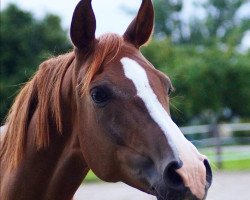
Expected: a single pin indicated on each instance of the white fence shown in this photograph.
(189, 130)
(217, 135)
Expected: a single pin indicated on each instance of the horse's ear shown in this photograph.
(83, 25)
(140, 29)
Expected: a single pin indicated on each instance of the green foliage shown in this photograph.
(167, 18)
(221, 24)
(25, 43)
(207, 71)
(204, 78)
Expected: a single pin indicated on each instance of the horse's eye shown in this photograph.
(100, 95)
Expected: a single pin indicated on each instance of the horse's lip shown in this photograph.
(152, 192)
(187, 196)
(155, 193)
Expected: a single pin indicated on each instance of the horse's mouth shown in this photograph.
(164, 191)
(174, 195)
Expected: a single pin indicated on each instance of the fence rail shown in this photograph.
(217, 135)
(189, 130)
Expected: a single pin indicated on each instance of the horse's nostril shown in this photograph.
(153, 190)
(209, 174)
(172, 178)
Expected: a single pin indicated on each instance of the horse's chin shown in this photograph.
(175, 195)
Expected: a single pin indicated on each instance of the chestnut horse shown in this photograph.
(102, 107)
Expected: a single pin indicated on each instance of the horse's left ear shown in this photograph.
(83, 25)
(140, 29)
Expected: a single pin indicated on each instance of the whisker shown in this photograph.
(158, 192)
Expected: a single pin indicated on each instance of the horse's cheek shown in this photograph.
(98, 152)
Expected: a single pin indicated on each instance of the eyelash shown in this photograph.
(169, 91)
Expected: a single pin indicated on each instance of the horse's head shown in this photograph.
(124, 125)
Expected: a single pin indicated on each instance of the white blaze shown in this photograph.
(186, 151)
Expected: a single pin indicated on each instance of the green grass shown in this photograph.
(234, 165)
(232, 161)
(91, 177)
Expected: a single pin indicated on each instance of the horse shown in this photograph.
(101, 107)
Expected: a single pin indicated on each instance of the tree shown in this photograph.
(206, 79)
(25, 43)
(221, 24)
(167, 19)
(204, 65)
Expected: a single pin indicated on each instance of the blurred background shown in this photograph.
(203, 46)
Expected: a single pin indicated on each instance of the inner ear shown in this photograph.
(83, 25)
(140, 29)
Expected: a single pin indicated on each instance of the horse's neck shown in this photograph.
(71, 167)
(68, 174)
(54, 172)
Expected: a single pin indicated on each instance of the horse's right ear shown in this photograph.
(140, 29)
(83, 25)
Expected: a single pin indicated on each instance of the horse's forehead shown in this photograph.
(116, 66)
(115, 74)
(113, 70)
(135, 71)
(137, 74)
(141, 73)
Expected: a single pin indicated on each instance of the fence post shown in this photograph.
(218, 147)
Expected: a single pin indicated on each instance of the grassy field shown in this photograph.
(236, 160)
(91, 177)
(232, 160)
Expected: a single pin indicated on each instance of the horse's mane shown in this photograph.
(42, 95)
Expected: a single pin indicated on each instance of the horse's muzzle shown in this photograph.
(171, 185)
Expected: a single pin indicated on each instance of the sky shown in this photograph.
(111, 15)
